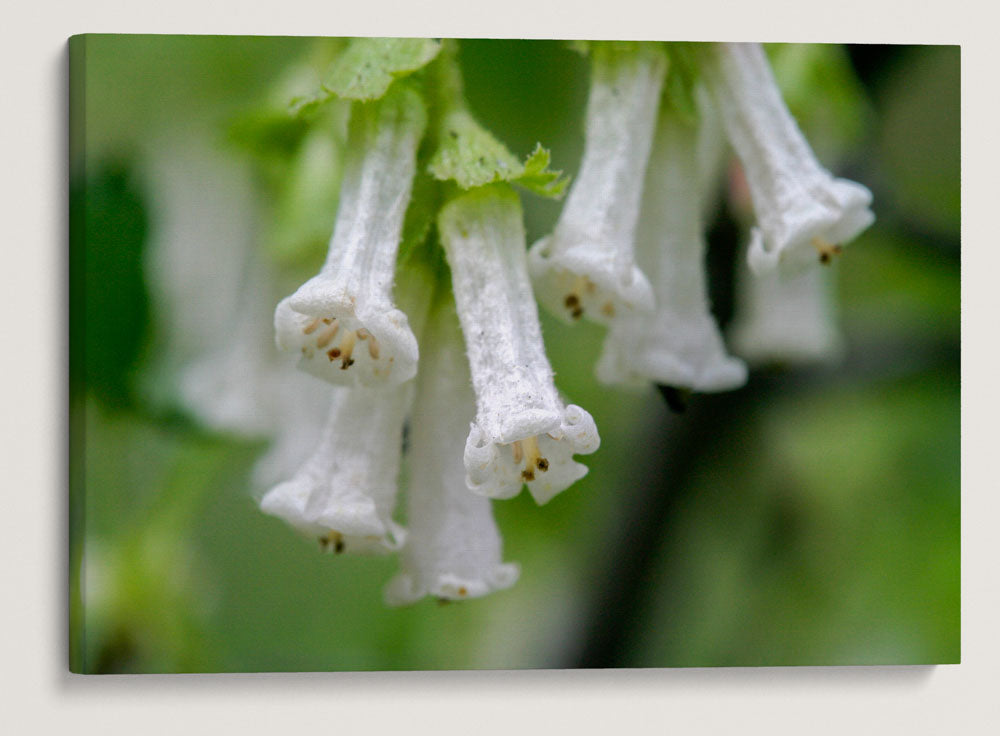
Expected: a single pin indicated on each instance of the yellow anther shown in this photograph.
(533, 459)
(826, 250)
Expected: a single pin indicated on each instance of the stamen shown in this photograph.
(364, 334)
(346, 348)
(826, 250)
(311, 327)
(328, 333)
(581, 284)
(533, 458)
(334, 539)
(518, 452)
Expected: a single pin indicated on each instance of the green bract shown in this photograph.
(471, 156)
(368, 66)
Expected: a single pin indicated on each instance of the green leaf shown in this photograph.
(538, 178)
(369, 65)
(471, 156)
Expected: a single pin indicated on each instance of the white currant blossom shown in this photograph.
(345, 316)
(786, 320)
(453, 548)
(522, 433)
(345, 492)
(586, 267)
(216, 293)
(679, 344)
(802, 211)
(206, 281)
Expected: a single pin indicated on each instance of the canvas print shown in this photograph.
(418, 354)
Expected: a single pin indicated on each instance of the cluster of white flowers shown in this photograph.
(486, 419)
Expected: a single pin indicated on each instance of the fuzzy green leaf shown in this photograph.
(471, 156)
(369, 65)
(538, 178)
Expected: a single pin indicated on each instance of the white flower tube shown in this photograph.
(785, 320)
(342, 322)
(345, 493)
(679, 345)
(453, 548)
(210, 289)
(522, 433)
(586, 267)
(803, 212)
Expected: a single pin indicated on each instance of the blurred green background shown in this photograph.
(811, 517)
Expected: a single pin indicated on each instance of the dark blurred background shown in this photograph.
(811, 517)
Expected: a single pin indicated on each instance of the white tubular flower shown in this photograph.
(586, 267)
(453, 548)
(803, 212)
(785, 320)
(345, 493)
(522, 432)
(345, 316)
(679, 345)
(209, 288)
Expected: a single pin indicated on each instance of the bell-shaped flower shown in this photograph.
(343, 322)
(522, 433)
(453, 548)
(678, 345)
(345, 492)
(586, 267)
(803, 212)
(783, 321)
